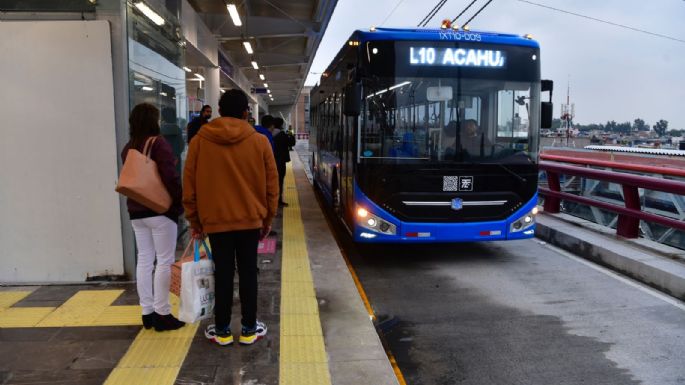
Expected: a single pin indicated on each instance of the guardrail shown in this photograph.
(629, 216)
(615, 165)
(302, 135)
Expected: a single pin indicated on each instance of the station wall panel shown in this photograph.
(59, 214)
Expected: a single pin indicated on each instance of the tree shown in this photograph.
(639, 125)
(610, 126)
(660, 127)
(623, 127)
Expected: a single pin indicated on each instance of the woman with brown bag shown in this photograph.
(155, 233)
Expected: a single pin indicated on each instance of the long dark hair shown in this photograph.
(143, 123)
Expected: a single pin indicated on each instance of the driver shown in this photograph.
(473, 140)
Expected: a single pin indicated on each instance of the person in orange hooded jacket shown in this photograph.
(230, 193)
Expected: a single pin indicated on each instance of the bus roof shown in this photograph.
(433, 34)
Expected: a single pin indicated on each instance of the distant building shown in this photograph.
(300, 119)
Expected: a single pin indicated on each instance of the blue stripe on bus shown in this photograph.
(439, 232)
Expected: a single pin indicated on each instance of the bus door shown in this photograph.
(346, 169)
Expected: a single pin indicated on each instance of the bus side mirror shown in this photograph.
(546, 112)
(353, 97)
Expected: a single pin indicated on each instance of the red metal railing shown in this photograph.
(629, 216)
(650, 169)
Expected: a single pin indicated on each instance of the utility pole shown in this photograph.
(568, 111)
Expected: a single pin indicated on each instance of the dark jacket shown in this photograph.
(194, 126)
(281, 148)
(166, 164)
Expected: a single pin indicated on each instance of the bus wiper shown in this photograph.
(507, 169)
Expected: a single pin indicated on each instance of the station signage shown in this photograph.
(456, 57)
(256, 90)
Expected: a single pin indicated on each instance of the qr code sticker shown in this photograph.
(450, 183)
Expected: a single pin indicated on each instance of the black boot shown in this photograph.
(168, 322)
(149, 320)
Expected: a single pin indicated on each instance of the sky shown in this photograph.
(614, 73)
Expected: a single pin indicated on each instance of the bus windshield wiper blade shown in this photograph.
(507, 169)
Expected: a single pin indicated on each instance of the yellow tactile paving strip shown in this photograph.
(22, 316)
(9, 298)
(85, 308)
(154, 358)
(303, 358)
(82, 309)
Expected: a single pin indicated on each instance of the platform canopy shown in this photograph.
(283, 34)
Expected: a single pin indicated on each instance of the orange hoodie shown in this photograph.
(230, 180)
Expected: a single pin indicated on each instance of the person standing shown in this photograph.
(282, 155)
(266, 127)
(155, 234)
(230, 193)
(195, 125)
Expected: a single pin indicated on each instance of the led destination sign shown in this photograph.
(456, 57)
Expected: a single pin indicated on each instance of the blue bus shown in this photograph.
(431, 135)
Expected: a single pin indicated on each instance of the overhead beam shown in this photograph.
(274, 65)
(259, 27)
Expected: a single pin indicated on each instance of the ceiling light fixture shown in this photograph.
(233, 11)
(146, 88)
(187, 69)
(254, 65)
(266, 85)
(149, 13)
(199, 76)
(248, 47)
(261, 76)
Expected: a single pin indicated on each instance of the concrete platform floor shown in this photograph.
(77, 352)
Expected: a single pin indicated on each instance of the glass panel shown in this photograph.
(155, 70)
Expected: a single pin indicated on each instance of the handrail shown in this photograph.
(642, 181)
(615, 165)
(629, 216)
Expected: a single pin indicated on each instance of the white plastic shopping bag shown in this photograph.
(197, 287)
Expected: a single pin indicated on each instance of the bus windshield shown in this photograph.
(418, 111)
(449, 120)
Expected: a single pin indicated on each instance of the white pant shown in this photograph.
(155, 236)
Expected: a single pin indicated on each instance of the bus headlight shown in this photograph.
(524, 222)
(372, 222)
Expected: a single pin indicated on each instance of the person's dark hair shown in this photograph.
(267, 120)
(278, 122)
(233, 103)
(143, 123)
(206, 106)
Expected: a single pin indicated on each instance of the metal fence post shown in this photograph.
(552, 203)
(629, 227)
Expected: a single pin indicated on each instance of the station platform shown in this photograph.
(320, 325)
(319, 329)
